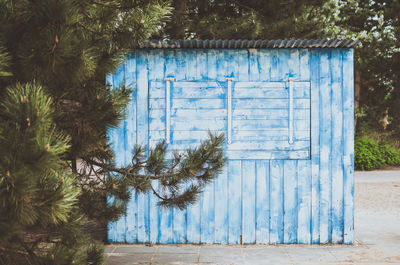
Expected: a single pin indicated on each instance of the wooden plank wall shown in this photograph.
(254, 201)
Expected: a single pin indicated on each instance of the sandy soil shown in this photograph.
(378, 197)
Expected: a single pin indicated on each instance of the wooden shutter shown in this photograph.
(253, 115)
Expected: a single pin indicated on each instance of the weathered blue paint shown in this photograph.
(271, 191)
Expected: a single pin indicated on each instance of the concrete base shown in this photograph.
(377, 230)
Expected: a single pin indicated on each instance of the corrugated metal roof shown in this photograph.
(247, 44)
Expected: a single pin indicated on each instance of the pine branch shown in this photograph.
(200, 164)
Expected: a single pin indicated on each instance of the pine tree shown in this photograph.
(55, 113)
(38, 196)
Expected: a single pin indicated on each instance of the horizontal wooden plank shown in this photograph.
(263, 84)
(302, 92)
(251, 154)
(268, 154)
(269, 103)
(240, 90)
(188, 84)
(237, 103)
(219, 125)
(188, 92)
(238, 114)
(237, 135)
(199, 114)
(189, 103)
(243, 145)
(269, 145)
(257, 125)
(265, 114)
(181, 135)
(187, 125)
(268, 135)
(220, 92)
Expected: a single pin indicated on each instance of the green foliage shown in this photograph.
(392, 155)
(57, 168)
(37, 193)
(249, 19)
(371, 155)
(377, 62)
(368, 155)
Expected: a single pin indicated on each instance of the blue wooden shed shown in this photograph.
(286, 107)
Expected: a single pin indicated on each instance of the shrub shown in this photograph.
(392, 155)
(370, 155)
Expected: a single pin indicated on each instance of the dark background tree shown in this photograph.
(241, 19)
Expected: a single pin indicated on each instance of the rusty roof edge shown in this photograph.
(248, 44)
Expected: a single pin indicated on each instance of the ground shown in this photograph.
(377, 237)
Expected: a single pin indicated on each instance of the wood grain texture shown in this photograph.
(325, 147)
(270, 191)
(348, 150)
(315, 155)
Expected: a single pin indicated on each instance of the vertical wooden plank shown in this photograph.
(315, 191)
(262, 201)
(199, 58)
(234, 201)
(304, 202)
(264, 56)
(348, 145)
(232, 74)
(131, 212)
(212, 64)
(275, 58)
(111, 226)
(337, 147)
(276, 202)
(325, 147)
(254, 66)
(283, 64)
(131, 219)
(222, 65)
(207, 215)
(201, 71)
(232, 64)
(120, 150)
(156, 72)
(142, 138)
(290, 201)
(243, 64)
(165, 232)
(207, 204)
(179, 216)
(221, 183)
(221, 207)
(249, 204)
(304, 64)
(131, 82)
(191, 64)
(193, 223)
(249, 172)
(294, 64)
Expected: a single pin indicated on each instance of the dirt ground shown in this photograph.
(381, 197)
